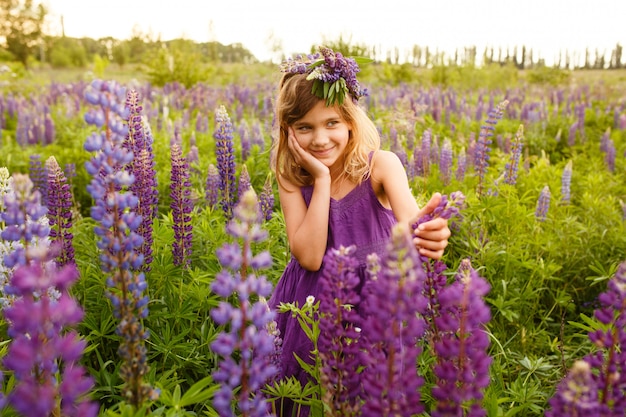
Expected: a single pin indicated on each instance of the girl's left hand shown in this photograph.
(431, 238)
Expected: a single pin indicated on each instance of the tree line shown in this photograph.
(23, 39)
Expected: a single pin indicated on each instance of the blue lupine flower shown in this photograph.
(566, 182)
(211, 193)
(543, 204)
(247, 346)
(182, 207)
(60, 212)
(224, 149)
(266, 199)
(512, 167)
(481, 155)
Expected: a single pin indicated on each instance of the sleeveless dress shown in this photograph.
(356, 219)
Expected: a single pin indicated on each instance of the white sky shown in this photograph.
(546, 26)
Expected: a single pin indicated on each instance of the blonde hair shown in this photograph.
(293, 102)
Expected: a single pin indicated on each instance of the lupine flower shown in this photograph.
(244, 182)
(609, 156)
(576, 394)
(5, 185)
(60, 212)
(481, 155)
(338, 346)
(461, 165)
(391, 329)
(610, 358)
(512, 167)
(566, 181)
(445, 160)
(139, 141)
(462, 367)
(43, 355)
(38, 176)
(247, 346)
(244, 140)
(266, 199)
(212, 186)
(182, 206)
(543, 204)
(224, 149)
(118, 242)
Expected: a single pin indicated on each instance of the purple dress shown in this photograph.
(357, 219)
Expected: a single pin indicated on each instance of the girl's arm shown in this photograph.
(307, 228)
(387, 171)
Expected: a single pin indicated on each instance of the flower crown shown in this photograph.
(334, 74)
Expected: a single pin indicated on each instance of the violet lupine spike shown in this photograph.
(244, 140)
(512, 167)
(462, 359)
(543, 204)
(391, 328)
(38, 176)
(247, 346)
(60, 213)
(244, 182)
(576, 394)
(445, 160)
(182, 207)
(224, 149)
(566, 182)
(339, 325)
(139, 141)
(609, 360)
(211, 193)
(609, 156)
(266, 199)
(114, 211)
(461, 165)
(481, 155)
(44, 355)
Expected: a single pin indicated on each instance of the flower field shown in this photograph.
(135, 261)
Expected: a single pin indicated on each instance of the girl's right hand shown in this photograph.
(304, 159)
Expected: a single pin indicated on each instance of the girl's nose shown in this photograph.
(319, 139)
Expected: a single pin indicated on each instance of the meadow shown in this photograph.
(543, 224)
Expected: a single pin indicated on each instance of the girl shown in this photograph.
(336, 187)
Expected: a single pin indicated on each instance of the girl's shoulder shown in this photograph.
(383, 162)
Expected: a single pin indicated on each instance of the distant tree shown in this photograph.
(21, 24)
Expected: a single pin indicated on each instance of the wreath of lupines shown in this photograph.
(334, 74)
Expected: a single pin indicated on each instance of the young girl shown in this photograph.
(336, 187)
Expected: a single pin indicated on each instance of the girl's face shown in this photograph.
(324, 134)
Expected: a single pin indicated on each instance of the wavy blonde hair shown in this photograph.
(293, 102)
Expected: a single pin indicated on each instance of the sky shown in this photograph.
(546, 26)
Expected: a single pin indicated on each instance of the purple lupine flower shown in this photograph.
(44, 355)
(576, 394)
(60, 212)
(212, 186)
(609, 156)
(543, 204)
(391, 329)
(114, 211)
(512, 167)
(571, 134)
(5, 185)
(566, 182)
(339, 326)
(266, 199)
(37, 174)
(461, 165)
(462, 367)
(182, 206)
(25, 223)
(609, 360)
(604, 139)
(246, 346)
(445, 160)
(244, 137)
(244, 182)
(481, 155)
(425, 151)
(139, 141)
(224, 150)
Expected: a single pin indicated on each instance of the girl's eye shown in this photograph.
(302, 128)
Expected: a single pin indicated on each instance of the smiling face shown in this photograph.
(324, 134)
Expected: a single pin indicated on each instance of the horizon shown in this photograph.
(548, 28)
